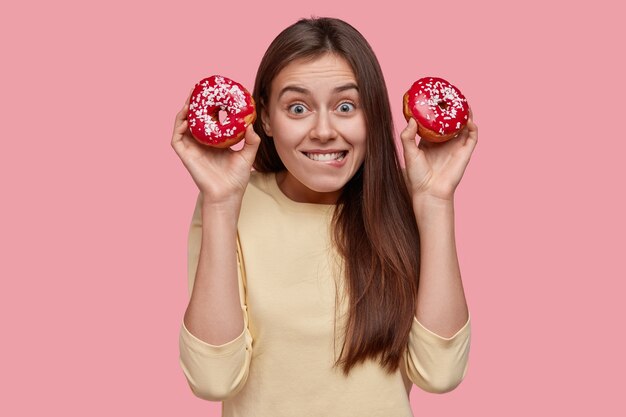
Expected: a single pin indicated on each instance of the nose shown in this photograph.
(323, 129)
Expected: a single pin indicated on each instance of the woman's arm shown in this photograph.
(214, 358)
(433, 172)
(214, 313)
(441, 305)
(215, 344)
(439, 343)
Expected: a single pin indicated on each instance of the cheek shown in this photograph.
(287, 133)
(358, 138)
(355, 132)
(285, 140)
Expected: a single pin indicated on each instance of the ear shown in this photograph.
(265, 121)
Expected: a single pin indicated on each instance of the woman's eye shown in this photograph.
(297, 108)
(346, 107)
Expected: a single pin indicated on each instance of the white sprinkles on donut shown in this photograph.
(214, 94)
(442, 101)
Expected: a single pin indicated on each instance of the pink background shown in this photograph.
(96, 204)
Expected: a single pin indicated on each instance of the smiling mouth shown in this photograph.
(333, 156)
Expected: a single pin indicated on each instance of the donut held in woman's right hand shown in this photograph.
(438, 107)
(212, 95)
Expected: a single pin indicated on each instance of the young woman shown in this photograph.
(326, 281)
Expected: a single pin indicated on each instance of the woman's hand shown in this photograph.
(434, 170)
(220, 174)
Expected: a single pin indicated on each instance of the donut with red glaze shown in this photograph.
(217, 94)
(439, 108)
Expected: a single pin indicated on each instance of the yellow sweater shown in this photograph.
(281, 364)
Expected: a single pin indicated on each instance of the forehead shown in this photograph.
(321, 73)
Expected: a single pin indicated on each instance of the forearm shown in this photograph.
(441, 305)
(214, 312)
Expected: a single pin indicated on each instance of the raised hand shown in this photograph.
(434, 170)
(220, 174)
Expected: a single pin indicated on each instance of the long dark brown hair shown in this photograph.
(374, 227)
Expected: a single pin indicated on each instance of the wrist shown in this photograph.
(429, 208)
(430, 202)
(227, 212)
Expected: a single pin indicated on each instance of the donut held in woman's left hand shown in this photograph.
(217, 94)
(439, 108)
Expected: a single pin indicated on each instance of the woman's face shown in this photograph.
(314, 115)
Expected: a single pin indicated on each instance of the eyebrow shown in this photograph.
(303, 90)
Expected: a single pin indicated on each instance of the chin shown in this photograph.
(332, 185)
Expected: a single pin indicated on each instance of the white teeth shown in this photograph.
(326, 156)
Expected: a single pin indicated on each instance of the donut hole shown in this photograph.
(221, 116)
(442, 105)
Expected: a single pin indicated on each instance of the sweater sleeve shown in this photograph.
(214, 372)
(435, 363)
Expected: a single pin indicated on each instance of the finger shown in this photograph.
(472, 135)
(469, 139)
(181, 127)
(462, 135)
(468, 147)
(181, 124)
(409, 132)
(472, 126)
(181, 116)
(179, 135)
(408, 136)
(183, 113)
(251, 144)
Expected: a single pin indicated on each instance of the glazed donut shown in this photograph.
(438, 107)
(212, 95)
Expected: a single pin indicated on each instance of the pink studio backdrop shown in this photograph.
(96, 204)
